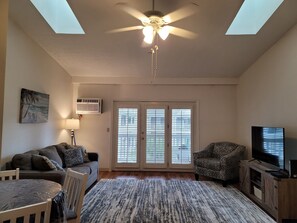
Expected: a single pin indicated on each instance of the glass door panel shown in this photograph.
(155, 140)
(181, 135)
(127, 137)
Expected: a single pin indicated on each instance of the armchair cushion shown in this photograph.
(209, 163)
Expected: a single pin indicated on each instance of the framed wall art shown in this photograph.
(34, 106)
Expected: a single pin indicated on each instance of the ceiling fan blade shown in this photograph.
(181, 13)
(182, 32)
(133, 12)
(125, 29)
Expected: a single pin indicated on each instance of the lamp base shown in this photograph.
(73, 141)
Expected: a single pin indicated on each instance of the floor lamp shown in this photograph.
(72, 124)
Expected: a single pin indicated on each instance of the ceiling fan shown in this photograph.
(155, 22)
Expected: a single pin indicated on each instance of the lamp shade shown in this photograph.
(72, 124)
(164, 32)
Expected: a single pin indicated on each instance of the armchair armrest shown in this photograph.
(232, 159)
(204, 153)
(93, 156)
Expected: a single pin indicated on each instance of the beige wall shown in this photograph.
(29, 66)
(215, 117)
(267, 93)
(3, 38)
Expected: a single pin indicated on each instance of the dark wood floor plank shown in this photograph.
(144, 175)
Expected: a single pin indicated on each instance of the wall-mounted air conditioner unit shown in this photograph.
(89, 106)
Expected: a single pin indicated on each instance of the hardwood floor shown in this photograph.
(143, 175)
(163, 175)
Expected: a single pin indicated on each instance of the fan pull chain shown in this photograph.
(154, 59)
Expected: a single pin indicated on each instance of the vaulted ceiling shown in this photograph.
(99, 54)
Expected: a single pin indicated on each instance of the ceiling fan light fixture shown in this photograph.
(148, 31)
(164, 32)
(155, 22)
(149, 39)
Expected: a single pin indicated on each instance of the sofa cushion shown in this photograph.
(42, 163)
(51, 153)
(209, 163)
(73, 157)
(91, 167)
(82, 169)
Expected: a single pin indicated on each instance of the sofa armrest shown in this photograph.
(52, 175)
(232, 159)
(93, 156)
(8, 166)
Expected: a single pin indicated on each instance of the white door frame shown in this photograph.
(141, 136)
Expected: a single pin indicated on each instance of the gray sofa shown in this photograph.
(51, 163)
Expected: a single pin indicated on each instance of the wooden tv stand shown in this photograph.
(277, 196)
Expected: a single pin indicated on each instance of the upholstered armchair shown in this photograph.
(219, 160)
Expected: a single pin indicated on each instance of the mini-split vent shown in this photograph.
(89, 106)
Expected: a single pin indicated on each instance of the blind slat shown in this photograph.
(127, 135)
(181, 136)
(155, 136)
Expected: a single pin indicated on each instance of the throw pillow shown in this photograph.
(60, 149)
(84, 153)
(73, 157)
(57, 165)
(22, 161)
(51, 153)
(42, 163)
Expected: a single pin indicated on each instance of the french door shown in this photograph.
(153, 135)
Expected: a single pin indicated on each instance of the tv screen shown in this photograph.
(268, 144)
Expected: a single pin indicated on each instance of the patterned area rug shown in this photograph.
(158, 200)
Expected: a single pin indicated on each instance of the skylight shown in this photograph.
(252, 15)
(59, 16)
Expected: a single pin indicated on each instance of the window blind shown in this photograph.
(127, 135)
(181, 136)
(155, 136)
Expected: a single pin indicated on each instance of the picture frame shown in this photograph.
(34, 107)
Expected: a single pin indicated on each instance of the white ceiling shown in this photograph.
(98, 54)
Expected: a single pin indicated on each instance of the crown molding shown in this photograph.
(156, 81)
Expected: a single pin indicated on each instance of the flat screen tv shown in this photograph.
(268, 145)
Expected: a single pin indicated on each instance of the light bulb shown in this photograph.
(164, 32)
(148, 31)
(149, 39)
